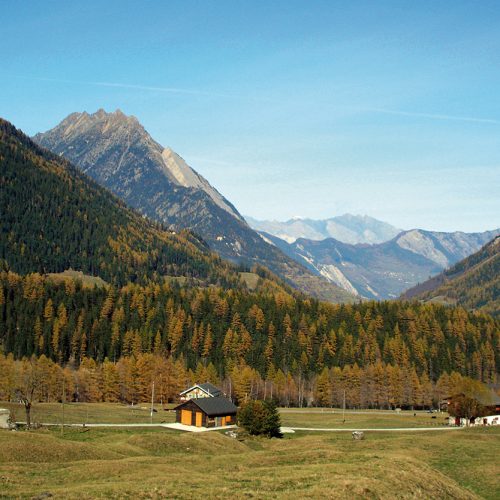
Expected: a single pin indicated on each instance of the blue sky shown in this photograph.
(390, 109)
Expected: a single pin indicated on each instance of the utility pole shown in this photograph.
(152, 400)
(63, 398)
(343, 410)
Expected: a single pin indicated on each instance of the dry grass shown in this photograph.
(155, 463)
(250, 279)
(87, 280)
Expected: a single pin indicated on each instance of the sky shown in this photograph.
(289, 108)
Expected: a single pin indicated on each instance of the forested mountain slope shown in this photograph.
(473, 283)
(54, 218)
(117, 152)
(266, 330)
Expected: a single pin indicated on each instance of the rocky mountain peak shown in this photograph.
(114, 148)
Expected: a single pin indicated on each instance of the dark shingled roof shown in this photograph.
(211, 389)
(213, 407)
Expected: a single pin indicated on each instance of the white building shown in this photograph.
(4, 418)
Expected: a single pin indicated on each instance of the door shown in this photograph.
(186, 417)
(199, 419)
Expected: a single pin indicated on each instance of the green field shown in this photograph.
(325, 418)
(114, 413)
(161, 463)
(92, 413)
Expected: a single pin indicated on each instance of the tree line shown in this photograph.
(129, 380)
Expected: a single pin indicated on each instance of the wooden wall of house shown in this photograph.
(206, 420)
(190, 406)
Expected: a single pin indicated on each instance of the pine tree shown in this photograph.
(323, 393)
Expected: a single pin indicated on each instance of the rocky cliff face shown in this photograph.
(116, 151)
(385, 270)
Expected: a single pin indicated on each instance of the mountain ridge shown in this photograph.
(473, 283)
(54, 218)
(384, 270)
(346, 228)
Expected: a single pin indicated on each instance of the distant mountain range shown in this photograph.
(387, 269)
(117, 152)
(473, 283)
(346, 228)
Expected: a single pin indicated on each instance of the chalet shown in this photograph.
(214, 411)
(206, 390)
(490, 402)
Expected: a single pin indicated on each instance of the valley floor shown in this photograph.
(159, 463)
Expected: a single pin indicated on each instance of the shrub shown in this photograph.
(260, 418)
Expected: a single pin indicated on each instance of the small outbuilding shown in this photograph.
(4, 418)
(206, 412)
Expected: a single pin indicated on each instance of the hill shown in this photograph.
(385, 270)
(55, 218)
(134, 463)
(473, 283)
(118, 153)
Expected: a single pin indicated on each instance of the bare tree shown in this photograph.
(28, 382)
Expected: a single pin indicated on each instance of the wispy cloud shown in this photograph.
(432, 116)
(171, 90)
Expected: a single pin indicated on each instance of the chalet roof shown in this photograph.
(213, 407)
(206, 387)
(211, 389)
(486, 399)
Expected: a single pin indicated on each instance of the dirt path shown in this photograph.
(390, 429)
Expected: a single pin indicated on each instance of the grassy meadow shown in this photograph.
(115, 413)
(161, 463)
(92, 413)
(326, 418)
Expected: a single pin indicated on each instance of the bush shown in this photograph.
(260, 418)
